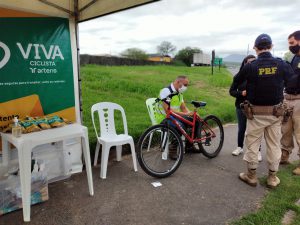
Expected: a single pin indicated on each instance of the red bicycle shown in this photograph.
(160, 148)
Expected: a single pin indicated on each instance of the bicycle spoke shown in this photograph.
(213, 136)
(155, 152)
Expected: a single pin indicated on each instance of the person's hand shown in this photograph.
(244, 93)
(191, 113)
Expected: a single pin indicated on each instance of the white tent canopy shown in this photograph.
(77, 11)
(86, 9)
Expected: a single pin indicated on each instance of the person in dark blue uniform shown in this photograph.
(240, 93)
(292, 99)
(266, 77)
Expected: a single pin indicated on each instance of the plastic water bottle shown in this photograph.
(16, 128)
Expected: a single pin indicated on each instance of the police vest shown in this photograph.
(266, 88)
(296, 67)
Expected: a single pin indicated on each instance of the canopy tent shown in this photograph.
(46, 43)
(77, 11)
(83, 9)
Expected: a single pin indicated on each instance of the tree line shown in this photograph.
(184, 56)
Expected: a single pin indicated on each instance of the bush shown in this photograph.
(186, 55)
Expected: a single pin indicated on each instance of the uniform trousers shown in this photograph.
(291, 128)
(269, 127)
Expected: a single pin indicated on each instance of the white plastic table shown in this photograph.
(27, 142)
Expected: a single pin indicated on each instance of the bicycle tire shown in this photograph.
(206, 143)
(159, 133)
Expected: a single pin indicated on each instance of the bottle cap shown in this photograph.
(16, 119)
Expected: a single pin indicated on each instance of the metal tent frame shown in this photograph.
(77, 10)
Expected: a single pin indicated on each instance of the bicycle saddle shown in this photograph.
(198, 104)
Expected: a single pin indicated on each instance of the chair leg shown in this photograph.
(104, 160)
(165, 141)
(96, 153)
(150, 140)
(133, 155)
(119, 152)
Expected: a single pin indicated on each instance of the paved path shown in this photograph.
(233, 70)
(202, 191)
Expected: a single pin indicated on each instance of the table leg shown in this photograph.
(87, 158)
(24, 153)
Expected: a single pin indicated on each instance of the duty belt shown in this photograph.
(279, 110)
(262, 110)
(291, 96)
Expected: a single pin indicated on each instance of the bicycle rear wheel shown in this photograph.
(160, 151)
(212, 129)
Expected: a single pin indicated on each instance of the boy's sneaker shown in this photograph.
(237, 151)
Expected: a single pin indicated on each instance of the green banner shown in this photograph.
(35, 66)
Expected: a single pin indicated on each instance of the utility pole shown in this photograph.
(213, 55)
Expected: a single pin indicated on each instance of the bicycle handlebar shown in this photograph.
(196, 104)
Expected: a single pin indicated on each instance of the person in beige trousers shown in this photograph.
(266, 77)
(291, 128)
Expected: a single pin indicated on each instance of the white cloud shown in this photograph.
(227, 26)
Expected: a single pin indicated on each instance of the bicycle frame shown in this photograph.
(196, 117)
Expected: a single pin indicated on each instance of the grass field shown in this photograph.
(277, 201)
(130, 86)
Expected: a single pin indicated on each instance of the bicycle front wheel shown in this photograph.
(160, 151)
(211, 130)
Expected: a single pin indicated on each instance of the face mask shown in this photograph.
(294, 49)
(182, 89)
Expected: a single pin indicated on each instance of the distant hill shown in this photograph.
(236, 58)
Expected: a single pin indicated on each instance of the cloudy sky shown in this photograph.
(227, 26)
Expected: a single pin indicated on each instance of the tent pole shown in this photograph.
(76, 16)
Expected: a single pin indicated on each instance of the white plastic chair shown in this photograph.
(108, 136)
(151, 110)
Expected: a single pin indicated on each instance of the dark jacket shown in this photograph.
(296, 67)
(266, 77)
(236, 91)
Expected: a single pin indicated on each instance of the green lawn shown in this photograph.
(130, 86)
(277, 201)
